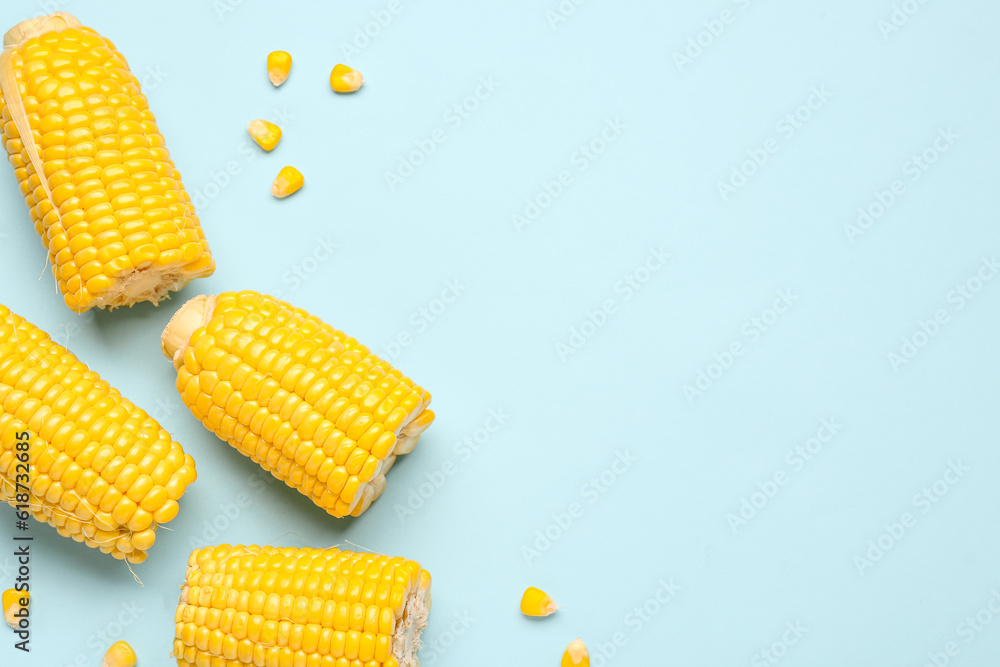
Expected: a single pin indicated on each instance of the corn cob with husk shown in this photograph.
(284, 607)
(103, 193)
(304, 400)
(99, 469)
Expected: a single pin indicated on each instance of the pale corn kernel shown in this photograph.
(119, 655)
(267, 135)
(288, 181)
(576, 655)
(344, 79)
(13, 600)
(279, 64)
(536, 602)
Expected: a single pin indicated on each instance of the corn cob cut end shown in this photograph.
(406, 639)
(194, 314)
(146, 284)
(39, 25)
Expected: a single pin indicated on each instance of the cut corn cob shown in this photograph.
(100, 470)
(13, 601)
(279, 64)
(288, 181)
(305, 401)
(576, 655)
(537, 602)
(102, 190)
(344, 79)
(119, 655)
(267, 135)
(273, 607)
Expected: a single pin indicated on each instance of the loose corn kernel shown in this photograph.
(576, 655)
(288, 181)
(119, 655)
(13, 600)
(267, 135)
(536, 602)
(344, 79)
(279, 64)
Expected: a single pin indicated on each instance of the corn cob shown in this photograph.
(266, 606)
(101, 188)
(100, 470)
(305, 401)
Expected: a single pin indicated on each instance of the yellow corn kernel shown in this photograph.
(288, 181)
(344, 79)
(307, 402)
(536, 602)
(279, 64)
(119, 655)
(576, 655)
(267, 135)
(331, 607)
(13, 601)
(101, 189)
(105, 473)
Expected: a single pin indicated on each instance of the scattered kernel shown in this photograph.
(343, 79)
(12, 603)
(267, 135)
(279, 64)
(576, 655)
(119, 655)
(535, 602)
(288, 181)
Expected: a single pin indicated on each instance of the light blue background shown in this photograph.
(495, 346)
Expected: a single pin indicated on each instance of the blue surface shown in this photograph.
(622, 147)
